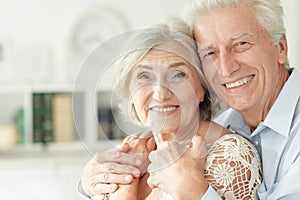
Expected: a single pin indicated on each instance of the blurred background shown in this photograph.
(43, 43)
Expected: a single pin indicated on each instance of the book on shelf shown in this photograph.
(104, 120)
(52, 117)
(63, 118)
(108, 128)
(20, 125)
(42, 117)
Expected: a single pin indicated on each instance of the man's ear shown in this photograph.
(282, 50)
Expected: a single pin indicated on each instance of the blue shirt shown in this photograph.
(277, 139)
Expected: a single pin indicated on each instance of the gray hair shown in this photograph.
(269, 14)
(167, 34)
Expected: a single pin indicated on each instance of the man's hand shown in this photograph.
(107, 170)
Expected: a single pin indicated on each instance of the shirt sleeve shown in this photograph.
(211, 194)
(81, 192)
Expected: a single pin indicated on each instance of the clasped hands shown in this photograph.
(140, 166)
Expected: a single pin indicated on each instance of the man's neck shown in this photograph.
(253, 117)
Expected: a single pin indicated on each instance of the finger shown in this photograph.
(103, 188)
(132, 137)
(119, 157)
(125, 147)
(109, 178)
(151, 144)
(159, 160)
(116, 168)
(197, 143)
(151, 168)
(145, 135)
(151, 181)
(198, 146)
(148, 135)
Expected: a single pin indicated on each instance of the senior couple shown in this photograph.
(237, 48)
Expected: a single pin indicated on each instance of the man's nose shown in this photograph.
(227, 63)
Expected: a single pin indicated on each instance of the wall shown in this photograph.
(37, 31)
(292, 14)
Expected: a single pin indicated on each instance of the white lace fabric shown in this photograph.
(233, 168)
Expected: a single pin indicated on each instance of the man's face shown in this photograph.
(241, 63)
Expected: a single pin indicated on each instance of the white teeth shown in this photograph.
(239, 83)
(158, 109)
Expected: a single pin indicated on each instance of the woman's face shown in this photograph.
(166, 92)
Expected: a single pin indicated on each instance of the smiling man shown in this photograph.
(243, 50)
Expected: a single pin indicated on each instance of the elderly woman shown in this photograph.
(161, 87)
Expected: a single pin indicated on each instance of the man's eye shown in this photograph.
(242, 43)
(242, 46)
(208, 54)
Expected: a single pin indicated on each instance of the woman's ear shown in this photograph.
(282, 50)
(130, 100)
(200, 95)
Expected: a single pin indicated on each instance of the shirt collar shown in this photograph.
(232, 120)
(281, 114)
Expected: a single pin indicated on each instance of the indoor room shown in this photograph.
(51, 120)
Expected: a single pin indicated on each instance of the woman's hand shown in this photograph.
(142, 145)
(178, 170)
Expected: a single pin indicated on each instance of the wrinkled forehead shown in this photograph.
(168, 53)
(157, 56)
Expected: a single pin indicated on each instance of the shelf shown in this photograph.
(7, 89)
(87, 100)
(36, 88)
(58, 148)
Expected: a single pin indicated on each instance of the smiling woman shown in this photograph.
(164, 90)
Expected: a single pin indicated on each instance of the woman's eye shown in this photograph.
(180, 75)
(143, 76)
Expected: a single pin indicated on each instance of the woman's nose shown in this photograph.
(161, 92)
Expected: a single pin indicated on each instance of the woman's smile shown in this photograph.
(166, 110)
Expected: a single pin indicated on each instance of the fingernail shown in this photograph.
(195, 137)
(128, 178)
(136, 173)
(113, 187)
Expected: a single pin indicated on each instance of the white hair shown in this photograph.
(269, 14)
